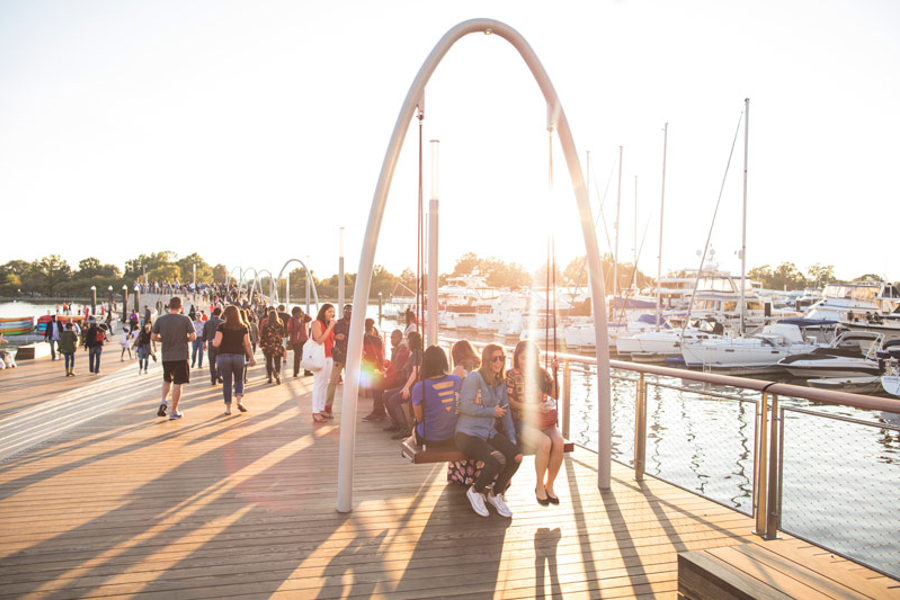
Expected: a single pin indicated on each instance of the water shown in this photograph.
(840, 479)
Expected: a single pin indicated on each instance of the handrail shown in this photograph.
(758, 385)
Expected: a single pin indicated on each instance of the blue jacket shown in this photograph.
(477, 418)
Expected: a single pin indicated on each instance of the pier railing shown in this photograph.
(803, 473)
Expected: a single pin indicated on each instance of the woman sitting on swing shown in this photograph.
(532, 391)
(434, 400)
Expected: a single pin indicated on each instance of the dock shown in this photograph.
(102, 498)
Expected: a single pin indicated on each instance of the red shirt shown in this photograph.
(329, 340)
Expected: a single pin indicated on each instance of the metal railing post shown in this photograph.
(640, 428)
(566, 396)
(760, 489)
(773, 502)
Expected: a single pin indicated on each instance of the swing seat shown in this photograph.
(419, 455)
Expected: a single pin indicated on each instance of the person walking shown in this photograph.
(297, 335)
(52, 334)
(93, 343)
(232, 342)
(144, 346)
(271, 334)
(209, 334)
(197, 344)
(323, 333)
(175, 331)
(68, 344)
(125, 343)
(341, 335)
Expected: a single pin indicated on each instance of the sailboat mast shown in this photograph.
(744, 220)
(662, 204)
(618, 206)
(634, 280)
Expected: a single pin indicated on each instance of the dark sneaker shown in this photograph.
(402, 434)
(374, 417)
(162, 410)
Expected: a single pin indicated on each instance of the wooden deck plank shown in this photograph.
(131, 505)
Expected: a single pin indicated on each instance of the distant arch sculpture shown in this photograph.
(240, 276)
(370, 241)
(256, 281)
(245, 279)
(309, 278)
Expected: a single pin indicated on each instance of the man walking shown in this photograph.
(339, 353)
(175, 331)
(209, 334)
(93, 343)
(52, 335)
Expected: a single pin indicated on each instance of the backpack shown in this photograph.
(99, 336)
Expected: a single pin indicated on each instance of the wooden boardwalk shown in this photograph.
(127, 504)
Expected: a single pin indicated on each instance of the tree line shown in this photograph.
(53, 276)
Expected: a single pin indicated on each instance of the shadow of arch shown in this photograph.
(556, 119)
(309, 278)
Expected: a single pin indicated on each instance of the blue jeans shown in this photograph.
(197, 349)
(143, 353)
(231, 366)
(94, 359)
(70, 360)
(393, 399)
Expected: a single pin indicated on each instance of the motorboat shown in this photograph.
(842, 299)
(890, 356)
(756, 352)
(864, 384)
(884, 320)
(851, 354)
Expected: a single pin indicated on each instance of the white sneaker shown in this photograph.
(477, 502)
(499, 503)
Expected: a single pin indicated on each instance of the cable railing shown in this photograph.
(796, 459)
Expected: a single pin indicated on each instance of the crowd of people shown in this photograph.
(489, 412)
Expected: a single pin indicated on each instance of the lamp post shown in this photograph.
(137, 298)
(124, 304)
(379, 309)
(341, 272)
(93, 300)
(109, 314)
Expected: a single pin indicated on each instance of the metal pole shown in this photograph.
(308, 277)
(93, 300)
(124, 304)
(618, 206)
(744, 221)
(566, 398)
(379, 308)
(287, 289)
(370, 243)
(137, 298)
(773, 516)
(640, 428)
(432, 304)
(662, 205)
(760, 510)
(341, 273)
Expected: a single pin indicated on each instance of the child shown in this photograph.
(125, 342)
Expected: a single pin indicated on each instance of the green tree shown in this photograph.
(220, 273)
(819, 275)
(12, 272)
(762, 274)
(49, 272)
(467, 264)
(165, 273)
(869, 278)
(186, 264)
(382, 281)
(786, 276)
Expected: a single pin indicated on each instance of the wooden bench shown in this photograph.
(418, 455)
(770, 570)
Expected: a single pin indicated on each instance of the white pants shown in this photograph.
(320, 385)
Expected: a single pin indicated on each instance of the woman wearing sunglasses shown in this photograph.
(483, 400)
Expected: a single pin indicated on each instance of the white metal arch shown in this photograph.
(272, 283)
(245, 277)
(239, 278)
(308, 278)
(370, 242)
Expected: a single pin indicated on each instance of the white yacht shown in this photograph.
(840, 299)
(885, 319)
(757, 352)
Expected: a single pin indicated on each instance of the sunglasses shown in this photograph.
(499, 358)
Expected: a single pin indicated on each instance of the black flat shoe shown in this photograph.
(551, 499)
(542, 501)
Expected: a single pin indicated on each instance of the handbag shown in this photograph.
(548, 419)
(313, 356)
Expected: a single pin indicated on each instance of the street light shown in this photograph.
(137, 297)
(124, 303)
(110, 313)
(93, 300)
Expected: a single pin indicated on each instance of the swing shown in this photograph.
(420, 454)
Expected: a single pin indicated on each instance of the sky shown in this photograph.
(251, 132)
